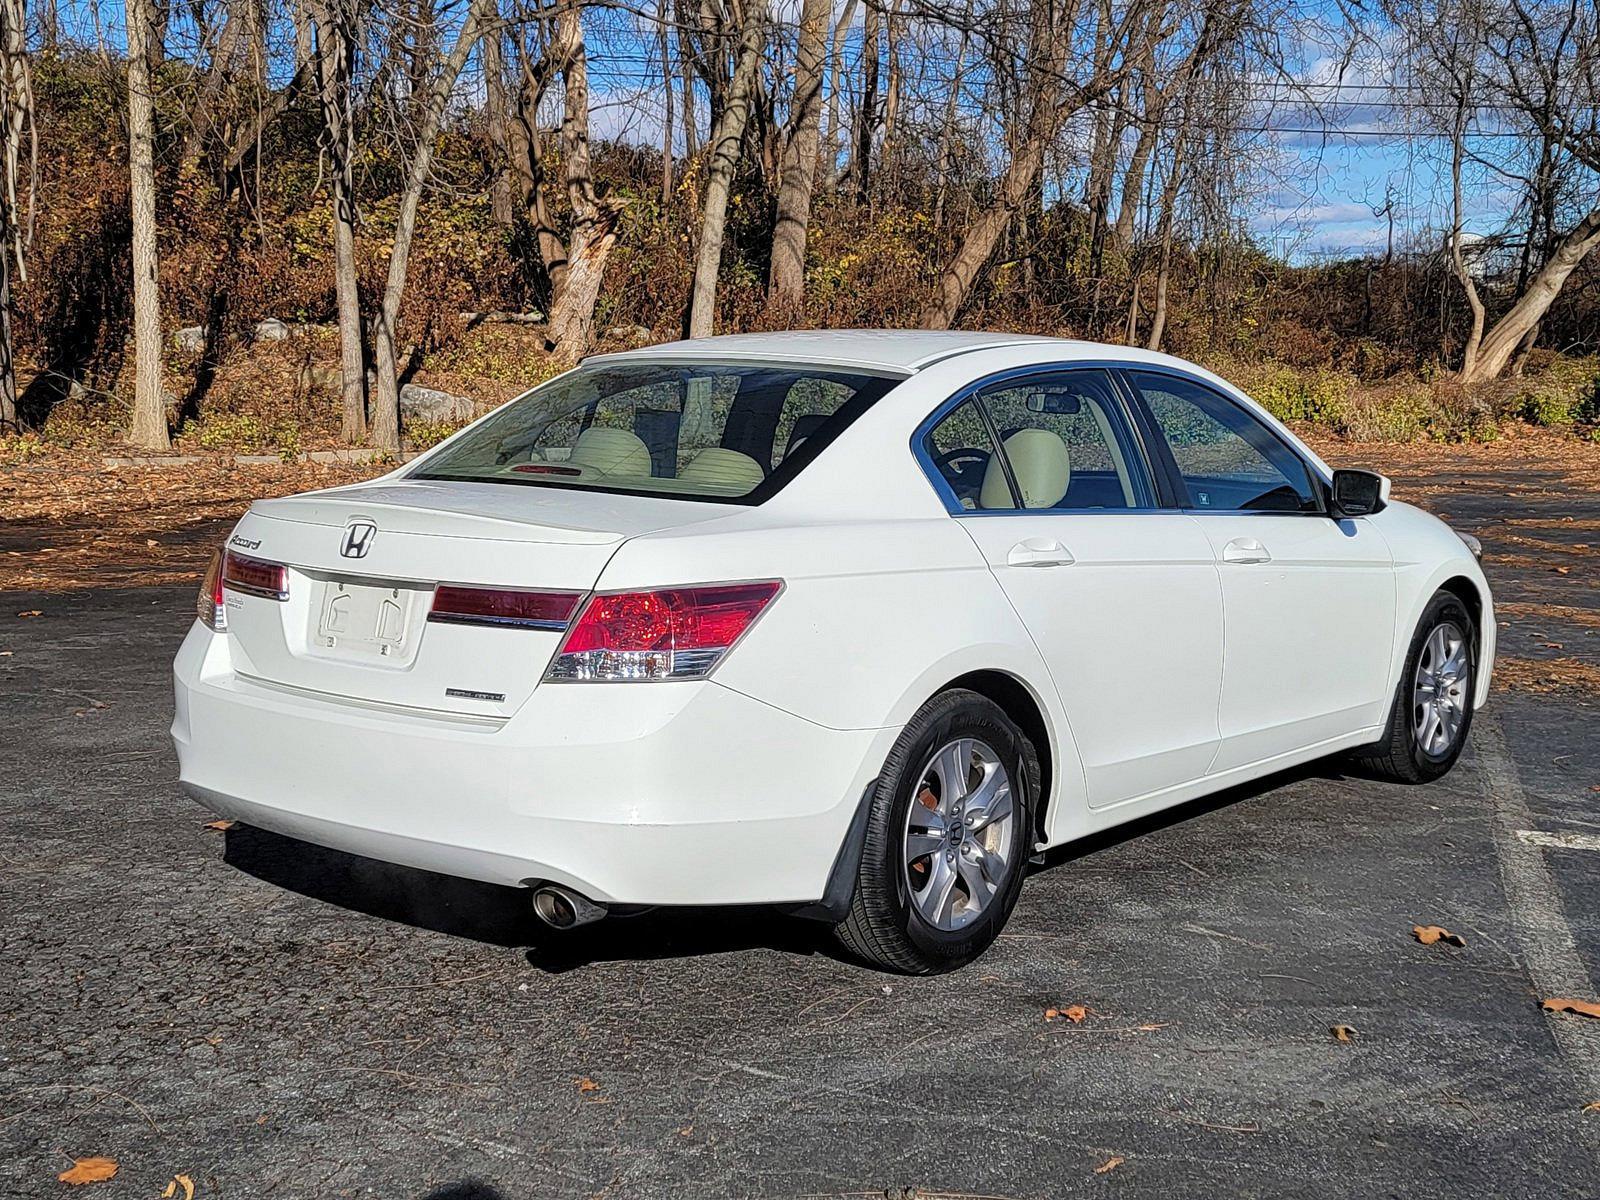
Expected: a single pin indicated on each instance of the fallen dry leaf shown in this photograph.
(89, 1170)
(1594, 1108)
(1075, 1014)
(1344, 1033)
(179, 1181)
(32, 612)
(1429, 934)
(1110, 1164)
(219, 825)
(588, 1085)
(1584, 1008)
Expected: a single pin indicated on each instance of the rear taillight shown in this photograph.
(208, 604)
(254, 577)
(503, 606)
(675, 633)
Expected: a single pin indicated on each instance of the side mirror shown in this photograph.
(1358, 493)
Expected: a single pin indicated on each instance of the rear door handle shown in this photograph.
(1038, 552)
(1245, 550)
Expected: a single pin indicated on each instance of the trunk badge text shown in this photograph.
(358, 537)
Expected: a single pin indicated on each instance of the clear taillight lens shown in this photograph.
(254, 577)
(208, 604)
(673, 633)
(503, 606)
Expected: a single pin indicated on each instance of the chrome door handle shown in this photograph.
(1245, 550)
(1038, 552)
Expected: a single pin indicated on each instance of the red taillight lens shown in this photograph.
(503, 606)
(208, 604)
(674, 633)
(254, 577)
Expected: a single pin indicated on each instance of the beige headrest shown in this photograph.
(613, 451)
(1043, 468)
(723, 468)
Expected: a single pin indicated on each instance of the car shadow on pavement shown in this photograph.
(466, 1189)
(503, 916)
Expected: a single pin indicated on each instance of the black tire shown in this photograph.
(1399, 755)
(884, 927)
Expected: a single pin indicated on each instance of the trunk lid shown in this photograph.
(355, 625)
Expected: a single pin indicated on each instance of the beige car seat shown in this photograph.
(723, 469)
(1043, 467)
(611, 451)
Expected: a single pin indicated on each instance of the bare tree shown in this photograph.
(594, 219)
(430, 103)
(833, 145)
(725, 142)
(1050, 96)
(18, 146)
(149, 428)
(336, 33)
(787, 280)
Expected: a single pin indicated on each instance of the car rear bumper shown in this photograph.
(662, 793)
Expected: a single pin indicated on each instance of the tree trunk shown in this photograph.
(787, 281)
(691, 131)
(1133, 179)
(1458, 263)
(494, 111)
(1501, 342)
(335, 66)
(593, 222)
(719, 173)
(665, 49)
(149, 429)
(17, 129)
(832, 146)
(867, 115)
(386, 406)
(8, 371)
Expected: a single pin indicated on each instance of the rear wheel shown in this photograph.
(1432, 710)
(949, 834)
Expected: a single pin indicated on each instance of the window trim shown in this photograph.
(1175, 484)
(1121, 388)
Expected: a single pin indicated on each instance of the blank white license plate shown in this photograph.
(362, 620)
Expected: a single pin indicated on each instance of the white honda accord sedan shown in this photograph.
(857, 623)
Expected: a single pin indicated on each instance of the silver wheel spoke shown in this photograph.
(953, 766)
(919, 845)
(938, 901)
(979, 889)
(990, 800)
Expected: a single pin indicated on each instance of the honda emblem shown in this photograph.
(358, 537)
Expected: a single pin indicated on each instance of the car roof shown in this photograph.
(898, 350)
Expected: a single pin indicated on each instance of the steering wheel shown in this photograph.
(954, 464)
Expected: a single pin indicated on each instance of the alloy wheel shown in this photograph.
(1439, 696)
(958, 834)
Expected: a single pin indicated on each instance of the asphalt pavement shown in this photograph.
(268, 1018)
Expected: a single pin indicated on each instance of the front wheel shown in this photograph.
(1432, 710)
(949, 834)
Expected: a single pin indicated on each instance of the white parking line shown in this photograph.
(1549, 951)
(1560, 841)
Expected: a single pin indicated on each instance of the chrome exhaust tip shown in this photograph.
(563, 908)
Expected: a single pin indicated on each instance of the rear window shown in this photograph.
(703, 431)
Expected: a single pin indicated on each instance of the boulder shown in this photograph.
(272, 330)
(191, 340)
(628, 335)
(418, 403)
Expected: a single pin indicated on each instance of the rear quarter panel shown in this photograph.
(874, 619)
